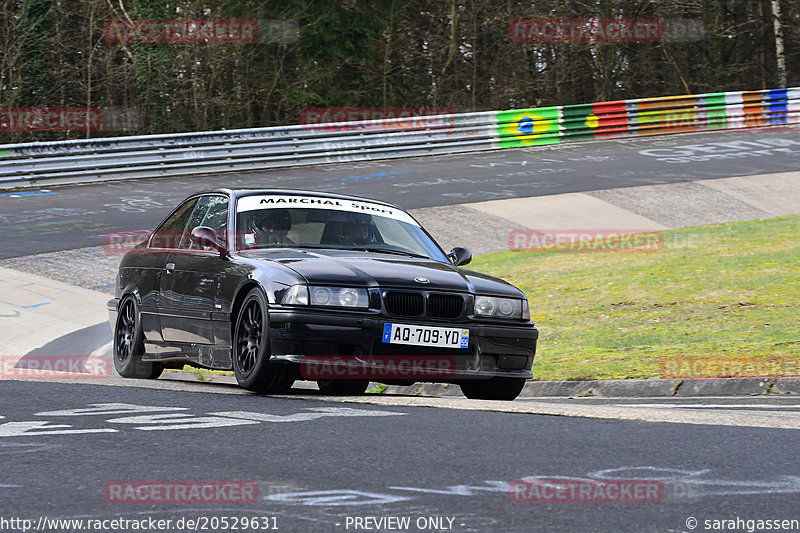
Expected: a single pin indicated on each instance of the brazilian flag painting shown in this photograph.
(528, 127)
(579, 121)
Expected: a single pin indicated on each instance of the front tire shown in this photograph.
(129, 344)
(497, 388)
(251, 350)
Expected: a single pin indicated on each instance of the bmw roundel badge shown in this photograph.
(420, 279)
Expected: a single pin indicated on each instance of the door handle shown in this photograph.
(170, 268)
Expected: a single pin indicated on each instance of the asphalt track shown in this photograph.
(321, 463)
(316, 464)
(70, 217)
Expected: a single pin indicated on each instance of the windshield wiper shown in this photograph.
(341, 249)
(390, 251)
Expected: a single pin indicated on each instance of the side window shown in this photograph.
(217, 216)
(170, 233)
(211, 211)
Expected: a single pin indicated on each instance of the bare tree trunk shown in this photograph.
(89, 57)
(779, 54)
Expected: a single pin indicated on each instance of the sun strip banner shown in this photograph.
(648, 116)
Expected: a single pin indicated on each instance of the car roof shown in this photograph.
(240, 192)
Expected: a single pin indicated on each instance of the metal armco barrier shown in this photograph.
(101, 159)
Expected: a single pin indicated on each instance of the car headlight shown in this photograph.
(339, 297)
(326, 296)
(295, 295)
(500, 307)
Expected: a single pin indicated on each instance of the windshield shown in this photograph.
(272, 221)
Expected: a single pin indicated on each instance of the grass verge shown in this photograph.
(718, 292)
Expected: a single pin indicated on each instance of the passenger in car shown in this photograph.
(359, 232)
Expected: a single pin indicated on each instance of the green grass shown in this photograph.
(715, 292)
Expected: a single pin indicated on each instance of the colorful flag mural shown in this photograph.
(528, 127)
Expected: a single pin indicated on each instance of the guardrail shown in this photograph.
(101, 159)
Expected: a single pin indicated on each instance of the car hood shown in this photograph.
(370, 269)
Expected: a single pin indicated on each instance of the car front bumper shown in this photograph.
(354, 341)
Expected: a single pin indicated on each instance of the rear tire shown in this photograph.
(342, 387)
(251, 350)
(497, 388)
(129, 344)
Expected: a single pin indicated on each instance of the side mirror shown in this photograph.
(205, 236)
(460, 256)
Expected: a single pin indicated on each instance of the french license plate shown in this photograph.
(425, 336)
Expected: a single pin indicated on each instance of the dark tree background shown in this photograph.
(371, 53)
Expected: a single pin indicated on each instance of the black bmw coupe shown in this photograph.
(280, 285)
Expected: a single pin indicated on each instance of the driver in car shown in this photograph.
(272, 227)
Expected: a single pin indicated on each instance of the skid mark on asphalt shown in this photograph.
(679, 485)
